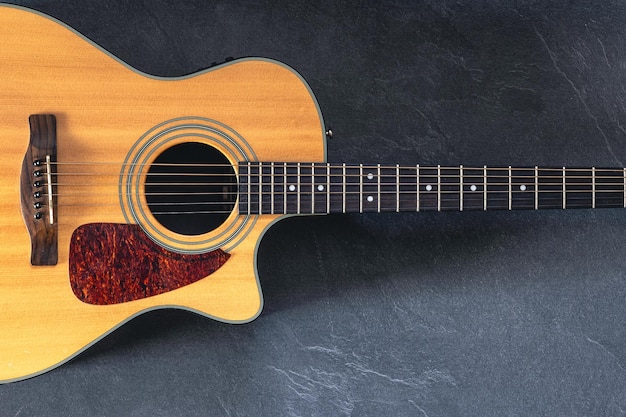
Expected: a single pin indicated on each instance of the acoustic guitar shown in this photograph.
(122, 192)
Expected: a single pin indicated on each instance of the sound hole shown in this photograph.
(191, 188)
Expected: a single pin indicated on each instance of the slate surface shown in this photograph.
(438, 314)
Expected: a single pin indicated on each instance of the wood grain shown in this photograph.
(103, 108)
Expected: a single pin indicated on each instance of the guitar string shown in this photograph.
(597, 175)
(465, 172)
(323, 165)
(387, 210)
(370, 190)
(463, 175)
(589, 174)
(339, 193)
(365, 209)
(404, 176)
(388, 187)
(527, 202)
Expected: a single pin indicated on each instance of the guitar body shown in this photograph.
(108, 114)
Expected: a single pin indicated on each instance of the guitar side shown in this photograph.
(103, 110)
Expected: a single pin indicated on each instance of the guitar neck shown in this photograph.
(315, 188)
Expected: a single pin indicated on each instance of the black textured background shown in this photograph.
(434, 314)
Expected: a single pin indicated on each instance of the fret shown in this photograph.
(461, 188)
(361, 188)
(312, 192)
(536, 188)
(473, 186)
(438, 187)
(609, 188)
(272, 187)
(378, 190)
(344, 188)
(417, 188)
(510, 190)
(485, 187)
(550, 188)
(298, 188)
(593, 189)
(624, 189)
(247, 186)
(564, 191)
(284, 193)
(327, 188)
(580, 184)
(249, 178)
(398, 188)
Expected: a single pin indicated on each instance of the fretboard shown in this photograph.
(314, 188)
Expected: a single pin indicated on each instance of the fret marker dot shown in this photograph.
(522, 187)
(320, 188)
(292, 187)
(429, 187)
(370, 176)
(473, 187)
(370, 198)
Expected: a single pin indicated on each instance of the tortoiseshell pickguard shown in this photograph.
(115, 263)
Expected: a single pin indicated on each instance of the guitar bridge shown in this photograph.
(38, 189)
